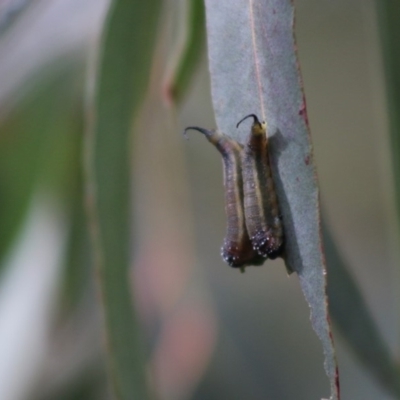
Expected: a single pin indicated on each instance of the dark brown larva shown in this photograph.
(237, 249)
(261, 208)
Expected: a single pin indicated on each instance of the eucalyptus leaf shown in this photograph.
(254, 69)
(389, 29)
(190, 55)
(35, 150)
(78, 261)
(122, 76)
(351, 315)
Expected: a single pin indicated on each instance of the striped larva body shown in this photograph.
(237, 249)
(261, 208)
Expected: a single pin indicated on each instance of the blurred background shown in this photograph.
(211, 332)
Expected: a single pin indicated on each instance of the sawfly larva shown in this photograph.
(237, 249)
(261, 207)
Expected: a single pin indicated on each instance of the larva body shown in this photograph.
(237, 249)
(261, 208)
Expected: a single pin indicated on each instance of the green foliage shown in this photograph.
(191, 54)
(254, 69)
(122, 75)
(37, 146)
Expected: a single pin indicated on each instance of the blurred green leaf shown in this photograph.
(388, 18)
(78, 261)
(351, 315)
(89, 386)
(389, 29)
(122, 77)
(254, 69)
(36, 141)
(190, 55)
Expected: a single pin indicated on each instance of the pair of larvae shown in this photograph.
(254, 227)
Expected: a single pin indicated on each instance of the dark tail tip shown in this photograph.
(254, 116)
(205, 132)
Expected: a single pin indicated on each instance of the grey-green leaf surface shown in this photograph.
(351, 315)
(254, 69)
(122, 76)
(10, 12)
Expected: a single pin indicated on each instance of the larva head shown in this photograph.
(258, 128)
(240, 254)
(267, 244)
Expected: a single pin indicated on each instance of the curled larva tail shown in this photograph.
(255, 120)
(207, 133)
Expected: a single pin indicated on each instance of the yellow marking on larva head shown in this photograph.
(259, 128)
(264, 126)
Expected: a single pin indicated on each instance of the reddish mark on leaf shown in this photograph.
(303, 110)
(307, 159)
(337, 382)
(168, 94)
